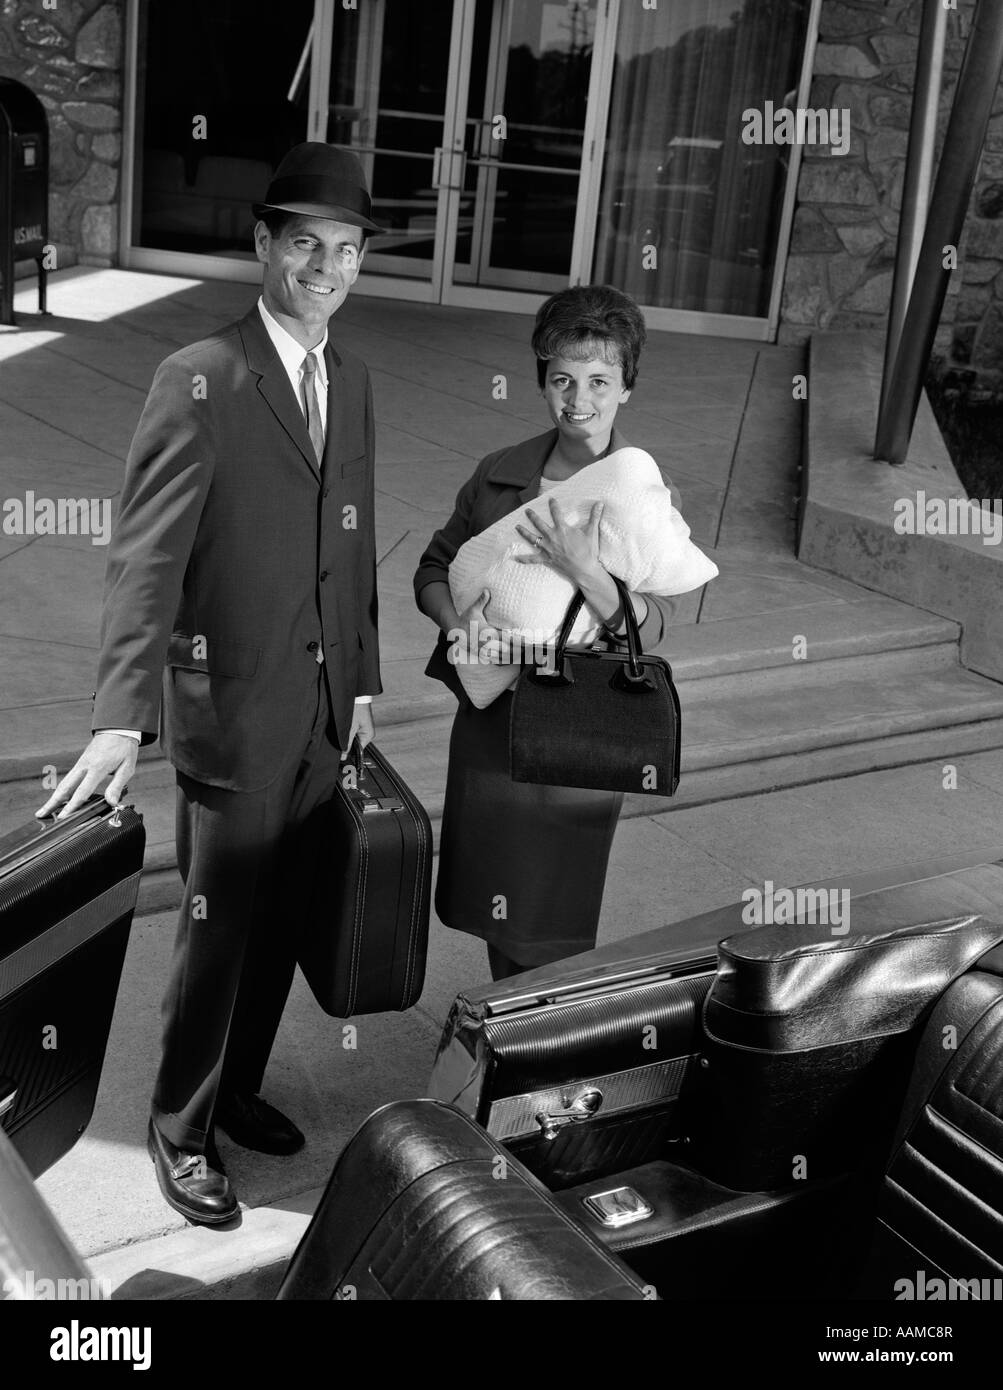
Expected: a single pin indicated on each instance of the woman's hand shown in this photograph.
(474, 641)
(571, 550)
(574, 552)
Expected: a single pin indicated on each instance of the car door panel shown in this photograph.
(581, 1081)
(67, 894)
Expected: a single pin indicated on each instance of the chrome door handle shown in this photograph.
(576, 1111)
(441, 154)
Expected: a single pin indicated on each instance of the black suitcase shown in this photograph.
(67, 894)
(362, 946)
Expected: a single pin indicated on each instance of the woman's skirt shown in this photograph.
(520, 865)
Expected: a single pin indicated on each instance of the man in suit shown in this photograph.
(240, 613)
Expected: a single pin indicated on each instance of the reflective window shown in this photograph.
(223, 91)
(689, 212)
(525, 126)
(387, 102)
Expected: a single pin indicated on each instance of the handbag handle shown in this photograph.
(630, 618)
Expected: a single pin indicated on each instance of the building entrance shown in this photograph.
(470, 118)
(512, 147)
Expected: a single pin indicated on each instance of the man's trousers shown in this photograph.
(245, 863)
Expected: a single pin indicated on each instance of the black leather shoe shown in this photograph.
(193, 1184)
(254, 1124)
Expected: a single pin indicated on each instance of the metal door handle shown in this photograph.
(438, 181)
(576, 1111)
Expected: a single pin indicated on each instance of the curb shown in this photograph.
(242, 1261)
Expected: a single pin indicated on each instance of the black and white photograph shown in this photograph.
(501, 672)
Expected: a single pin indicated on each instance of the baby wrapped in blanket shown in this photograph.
(643, 540)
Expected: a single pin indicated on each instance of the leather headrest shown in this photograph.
(792, 987)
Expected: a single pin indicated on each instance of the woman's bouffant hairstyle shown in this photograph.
(589, 321)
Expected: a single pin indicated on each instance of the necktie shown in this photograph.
(311, 406)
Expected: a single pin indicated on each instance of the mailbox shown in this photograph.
(24, 189)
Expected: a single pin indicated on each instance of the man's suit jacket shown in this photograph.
(500, 484)
(233, 559)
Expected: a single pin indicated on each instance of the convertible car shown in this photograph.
(808, 1109)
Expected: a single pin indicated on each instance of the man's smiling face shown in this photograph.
(309, 269)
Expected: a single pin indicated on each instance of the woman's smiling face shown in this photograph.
(583, 397)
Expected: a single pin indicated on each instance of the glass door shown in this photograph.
(386, 100)
(216, 108)
(470, 119)
(523, 141)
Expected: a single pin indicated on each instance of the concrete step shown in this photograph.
(733, 780)
(871, 627)
(785, 729)
(879, 686)
(770, 729)
(40, 736)
(778, 713)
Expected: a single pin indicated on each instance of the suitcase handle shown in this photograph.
(371, 803)
(94, 805)
(16, 849)
(357, 758)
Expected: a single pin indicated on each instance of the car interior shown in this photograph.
(796, 1113)
(704, 1111)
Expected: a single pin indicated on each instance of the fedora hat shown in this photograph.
(320, 181)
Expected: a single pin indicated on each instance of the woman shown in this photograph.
(521, 865)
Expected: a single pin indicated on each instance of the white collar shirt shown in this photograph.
(291, 355)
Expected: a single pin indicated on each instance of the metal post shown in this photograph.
(6, 281)
(918, 177)
(959, 159)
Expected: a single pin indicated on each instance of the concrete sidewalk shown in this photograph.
(72, 387)
(718, 416)
(883, 684)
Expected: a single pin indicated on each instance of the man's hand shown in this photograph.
(363, 726)
(107, 755)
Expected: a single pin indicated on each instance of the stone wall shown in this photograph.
(69, 53)
(839, 273)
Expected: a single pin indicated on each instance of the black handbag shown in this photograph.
(606, 720)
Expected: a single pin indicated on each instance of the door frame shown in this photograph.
(462, 293)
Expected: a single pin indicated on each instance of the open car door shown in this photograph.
(67, 894)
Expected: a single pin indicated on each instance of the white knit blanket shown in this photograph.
(642, 538)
